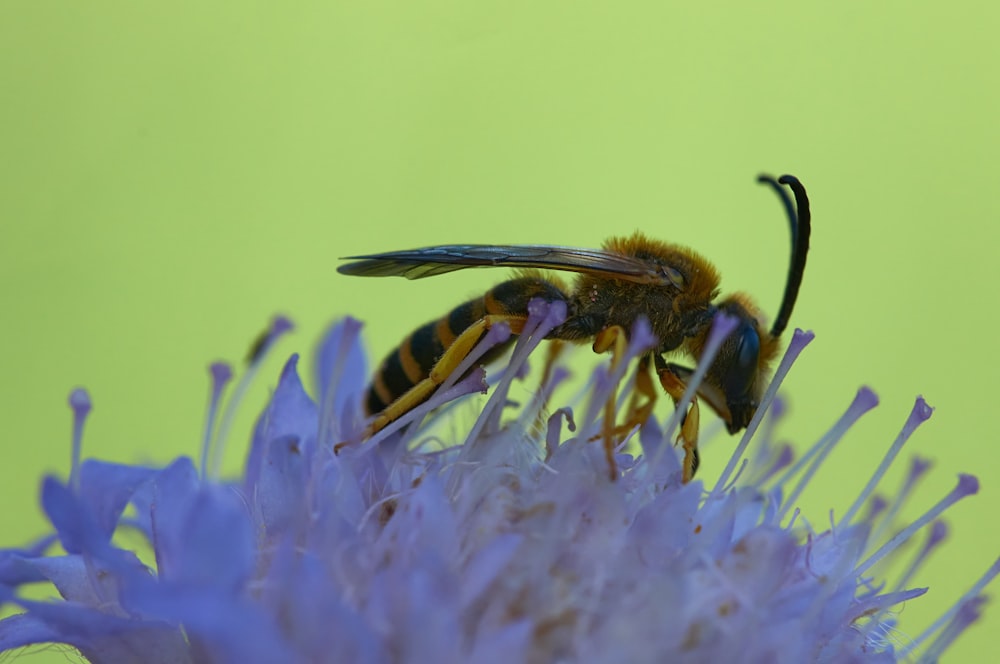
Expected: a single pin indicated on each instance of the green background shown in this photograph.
(172, 174)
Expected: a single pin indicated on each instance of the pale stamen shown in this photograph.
(967, 486)
(920, 413)
(258, 351)
(220, 373)
(799, 341)
(79, 401)
(863, 402)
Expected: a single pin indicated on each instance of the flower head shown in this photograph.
(510, 543)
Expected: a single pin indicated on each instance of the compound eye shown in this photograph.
(749, 350)
(741, 374)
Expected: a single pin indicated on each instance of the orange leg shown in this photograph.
(688, 436)
(613, 339)
(444, 367)
(640, 411)
(641, 402)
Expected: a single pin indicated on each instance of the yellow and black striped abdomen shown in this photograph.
(413, 360)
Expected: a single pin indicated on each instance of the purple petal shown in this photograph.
(875, 603)
(278, 498)
(74, 522)
(338, 505)
(291, 413)
(25, 629)
(832, 553)
(663, 528)
(511, 643)
(760, 563)
(16, 566)
(203, 535)
(342, 359)
(423, 523)
(106, 489)
(89, 582)
(315, 616)
(417, 602)
(228, 629)
(100, 637)
(486, 566)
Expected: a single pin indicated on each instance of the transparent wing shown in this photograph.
(432, 261)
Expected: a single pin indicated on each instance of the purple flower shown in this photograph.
(496, 540)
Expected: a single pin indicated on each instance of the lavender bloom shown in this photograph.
(509, 545)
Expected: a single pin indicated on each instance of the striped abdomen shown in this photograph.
(413, 360)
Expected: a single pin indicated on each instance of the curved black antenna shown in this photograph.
(786, 200)
(800, 226)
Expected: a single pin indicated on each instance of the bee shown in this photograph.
(673, 287)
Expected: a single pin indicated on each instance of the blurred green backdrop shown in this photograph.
(172, 174)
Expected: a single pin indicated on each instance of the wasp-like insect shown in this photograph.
(672, 286)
